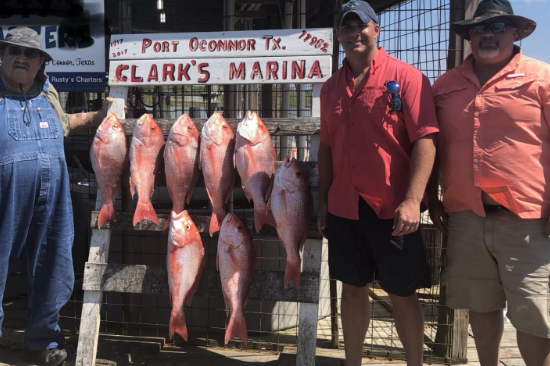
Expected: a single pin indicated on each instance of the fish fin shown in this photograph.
(145, 210)
(209, 195)
(167, 223)
(178, 325)
(269, 189)
(107, 213)
(292, 271)
(302, 242)
(215, 222)
(259, 219)
(237, 327)
(132, 190)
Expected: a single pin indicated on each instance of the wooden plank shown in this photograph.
(125, 220)
(98, 254)
(307, 336)
(228, 44)
(310, 167)
(221, 71)
(267, 286)
(302, 126)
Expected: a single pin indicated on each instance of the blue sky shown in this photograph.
(537, 45)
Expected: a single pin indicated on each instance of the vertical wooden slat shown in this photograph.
(307, 336)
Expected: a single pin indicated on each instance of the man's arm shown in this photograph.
(325, 181)
(407, 215)
(83, 121)
(437, 212)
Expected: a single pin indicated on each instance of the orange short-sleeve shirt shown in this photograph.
(371, 146)
(496, 138)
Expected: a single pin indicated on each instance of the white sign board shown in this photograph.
(264, 43)
(78, 48)
(272, 70)
(248, 57)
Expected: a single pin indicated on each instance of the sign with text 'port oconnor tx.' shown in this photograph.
(244, 57)
(72, 32)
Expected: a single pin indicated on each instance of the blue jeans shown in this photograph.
(36, 220)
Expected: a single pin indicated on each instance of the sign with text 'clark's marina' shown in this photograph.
(241, 57)
(72, 32)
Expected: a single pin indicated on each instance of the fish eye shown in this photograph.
(152, 128)
(188, 226)
(189, 127)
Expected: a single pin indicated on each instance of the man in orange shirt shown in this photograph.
(494, 114)
(377, 149)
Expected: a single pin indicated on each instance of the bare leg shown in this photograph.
(487, 328)
(355, 321)
(534, 350)
(409, 322)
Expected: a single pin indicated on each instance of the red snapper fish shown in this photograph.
(216, 161)
(108, 155)
(145, 162)
(291, 204)
(236, 261)
(181, 162)
(255, 159)
(184, 263)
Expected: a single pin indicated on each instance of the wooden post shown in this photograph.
(307, 336)
(99, 253)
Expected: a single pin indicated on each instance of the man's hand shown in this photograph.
(407, 218)
(322, 215)
(105, 107)
(438, 215)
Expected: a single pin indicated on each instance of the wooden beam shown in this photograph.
(125, 220)
(267, 286)
(276, 126)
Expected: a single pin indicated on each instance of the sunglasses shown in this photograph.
(392, 87)
(494, 27)
(29, 52)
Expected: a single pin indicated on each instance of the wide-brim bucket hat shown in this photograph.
(25, 37)
(492, 11)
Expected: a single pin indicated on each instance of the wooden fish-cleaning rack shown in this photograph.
(101, 276)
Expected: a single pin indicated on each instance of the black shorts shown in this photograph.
(359, 250)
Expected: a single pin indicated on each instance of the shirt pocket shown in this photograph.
(376, 101)
(518, 99)
(36, 125)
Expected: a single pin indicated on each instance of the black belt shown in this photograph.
(493, 208)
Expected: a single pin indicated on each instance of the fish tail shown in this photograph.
(263, 216)
(107, 213)
(215, 221)
(237, 328)
(178, 325)
(292, 271)
(145, 210)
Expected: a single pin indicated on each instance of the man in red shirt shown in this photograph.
(494, 113)
(377, 149)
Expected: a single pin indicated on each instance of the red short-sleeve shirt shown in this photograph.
(495, 138)
(371, 146)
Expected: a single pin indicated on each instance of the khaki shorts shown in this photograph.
(496, 259)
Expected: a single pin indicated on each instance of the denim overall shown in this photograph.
(36, 218)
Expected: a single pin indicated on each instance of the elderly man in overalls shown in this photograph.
(36, 218)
